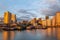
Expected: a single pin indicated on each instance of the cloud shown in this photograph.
(37, 8)
(25, 18)
(26, 13)
(47, 7)
(53, 8)
(41, 8)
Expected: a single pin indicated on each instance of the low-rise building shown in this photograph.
(48, 23)
(53, 21)
(43, 23)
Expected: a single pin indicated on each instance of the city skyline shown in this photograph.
(29, 19)
(30, 8)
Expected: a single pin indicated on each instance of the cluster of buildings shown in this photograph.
(47, 22)
(10, 18)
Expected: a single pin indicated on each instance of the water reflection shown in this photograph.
(58, 33)
(39, 34)
(51, 34)
(8, 35)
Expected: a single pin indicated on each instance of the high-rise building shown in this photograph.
(53, 21)
(7, 17)
(58, 19)
(13, 18)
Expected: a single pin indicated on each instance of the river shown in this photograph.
(39, 34)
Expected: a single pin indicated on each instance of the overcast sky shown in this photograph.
(30, 8)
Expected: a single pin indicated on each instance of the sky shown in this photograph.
(30, 8)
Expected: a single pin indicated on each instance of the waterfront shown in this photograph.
(38, 34)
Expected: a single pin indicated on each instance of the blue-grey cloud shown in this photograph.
(26, 13)
(54, 6)
(52, 10)
(44, 7)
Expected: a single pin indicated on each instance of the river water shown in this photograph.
(39, 34)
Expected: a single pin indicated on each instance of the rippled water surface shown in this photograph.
(39, 34)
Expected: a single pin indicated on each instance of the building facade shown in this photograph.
(58, 19)
(13, 18)
(54, 21)
(7, 17)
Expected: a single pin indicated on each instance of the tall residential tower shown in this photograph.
(7, 17)
(13, 18)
